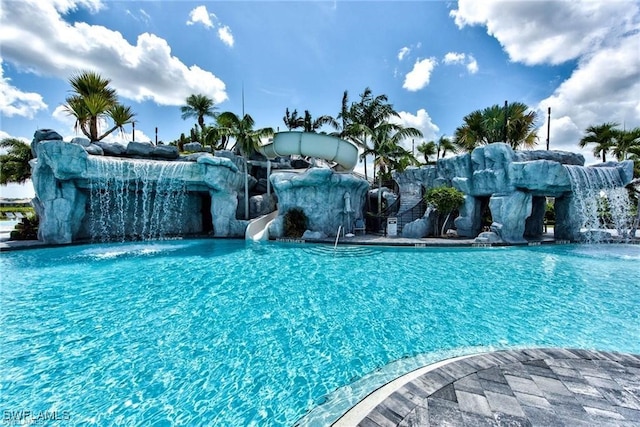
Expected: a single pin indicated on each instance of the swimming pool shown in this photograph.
(223, 332)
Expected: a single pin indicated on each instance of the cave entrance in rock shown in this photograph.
(205, 213)
(535, 224)
(486, 218)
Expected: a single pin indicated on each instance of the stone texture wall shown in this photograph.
(320, 193)
(68, 182)
(515, 184)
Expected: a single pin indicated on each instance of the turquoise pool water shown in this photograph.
(223, 332)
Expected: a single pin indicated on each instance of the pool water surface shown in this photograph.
(224, 332)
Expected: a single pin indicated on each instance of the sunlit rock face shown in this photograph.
(83, 196)
(513, 185)
(321, 194)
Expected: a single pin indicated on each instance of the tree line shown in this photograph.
(371, 122)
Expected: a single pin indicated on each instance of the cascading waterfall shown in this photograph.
(601, 200)
(136, 199)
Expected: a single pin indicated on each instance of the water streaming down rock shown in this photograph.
(136, 200)
(600, 201)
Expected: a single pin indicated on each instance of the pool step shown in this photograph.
(341, 251)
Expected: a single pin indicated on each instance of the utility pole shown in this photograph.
(133, 133)
(156, 135)
(548, 125)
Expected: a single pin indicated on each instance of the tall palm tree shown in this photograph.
(388, 152)
(366, 115)
(515, 125)
(603, 136)
(247, 141)
(427, 149)
(14, 165)
(93, 100)
(444, 146)
(198, 106)
(626, 141)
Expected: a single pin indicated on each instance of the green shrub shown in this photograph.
(26, 229)
(295, 223)
(445, 200)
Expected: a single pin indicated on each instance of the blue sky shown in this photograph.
(436, 61)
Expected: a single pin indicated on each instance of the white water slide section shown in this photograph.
(258, 229)
(327, 147)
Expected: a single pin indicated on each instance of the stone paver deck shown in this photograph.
(533, 387)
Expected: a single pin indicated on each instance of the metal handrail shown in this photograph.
(335, 245)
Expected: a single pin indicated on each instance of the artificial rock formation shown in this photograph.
(320, 193)
(83, 196)
(514, 186)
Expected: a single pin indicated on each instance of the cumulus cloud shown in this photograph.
(420, 75)
(209, 19)
(549, 32)
(14, 102)
(420, 120)
(144, 71)
(604, 87)
(468, 61)
(403, 52)
(603, 38)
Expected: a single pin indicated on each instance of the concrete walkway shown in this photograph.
(533, 387)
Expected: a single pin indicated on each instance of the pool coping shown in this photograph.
(531, 386)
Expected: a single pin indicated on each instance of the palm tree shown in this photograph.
(388, 152)
(627, 141)
(92, 101)
(513, 124)
(604, 136)
(198, 106)
(444, 146)
(247, 141)
(427, 149)
(292, 120)
(365, 116)
(14, 165)
(311, 125)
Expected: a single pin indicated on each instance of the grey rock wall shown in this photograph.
(513, 184)
(320, 193)
(68, 180)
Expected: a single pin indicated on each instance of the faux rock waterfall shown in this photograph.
(513, 187)
(90, 197)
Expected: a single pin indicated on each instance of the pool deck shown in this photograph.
(530, 387)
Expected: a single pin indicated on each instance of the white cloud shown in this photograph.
(202, 16)
(140, 16)
(224, 33)
(421, 121)
(454, 58)
(403, 52)
(14, 102)
(472, 65)
(604, 87)
(461, 58)
(209, 19)
(534, 32)
(66, 6)
(420, 75)
(144, 71)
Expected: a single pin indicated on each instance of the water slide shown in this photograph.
(344, 153)
(258, 229)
